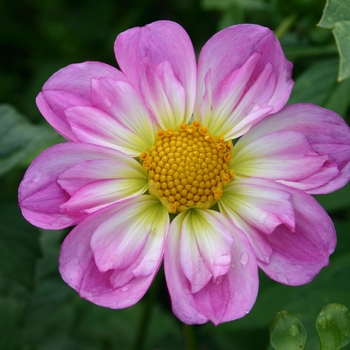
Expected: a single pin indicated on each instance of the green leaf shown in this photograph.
(287, 332)
(19, 138)
(342, 38)
(334, 11)
(19, 246)
(333, 327)
(336, 16)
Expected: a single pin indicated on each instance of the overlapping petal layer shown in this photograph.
(222, 298)
(284, 155)
(159, 60)
(70, 87)
(289, 254)
(112, 257)
(326, 133)
(41, 195)
(243, 76)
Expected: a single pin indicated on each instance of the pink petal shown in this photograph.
(226, 299)
(40, 195)
(119, 240)
(161, 41)
(164, 94)
(328, 135)
(263, 207)
(91, 125)
(99, 194)
(83, 173)
(69, 87)
(296, 255)
(94, 184)
(205, 248)
(299, 256)
(284, 155)
(114, 288)
(124, 103)
(249, 73)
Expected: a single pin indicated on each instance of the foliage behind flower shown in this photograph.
(153, 139)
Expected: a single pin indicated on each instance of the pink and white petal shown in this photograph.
(123, 102)
(317, 183)
(113, 288)
(230, 90)
(160, 41)
(231, 297)
(258, 241)
(40, 195)
(266, 82)
(299, 256)
(284, 155)
(205, 248)
(68, 87)
(99, 194)
(83, 173)
(233, 109)
(91, 125)
(192, 264)
(259, 204)
(120, 239)
(164, 94)
(327, 133)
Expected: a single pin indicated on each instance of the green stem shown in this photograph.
(285, 25)
(190, 339)
(146, 317)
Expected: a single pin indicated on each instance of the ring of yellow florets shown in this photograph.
(188, 167)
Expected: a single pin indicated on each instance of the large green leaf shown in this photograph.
(341, 33)
(19, 246)
(19, 138)
(335, 11)
(336, 16)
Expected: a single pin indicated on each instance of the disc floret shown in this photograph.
(188, 167)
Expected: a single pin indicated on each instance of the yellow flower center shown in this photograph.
(188, 167)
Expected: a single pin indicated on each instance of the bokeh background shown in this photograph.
(38, 37)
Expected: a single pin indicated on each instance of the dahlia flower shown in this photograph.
(199, 165)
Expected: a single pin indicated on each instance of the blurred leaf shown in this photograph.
(315, 84)
(339, 100)
(19, 138)
(341, 32)
(287, 332)
(11, 319)
(19, 246)
(336, 200)
(225, 4)
(333, 327)
(336, 16)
